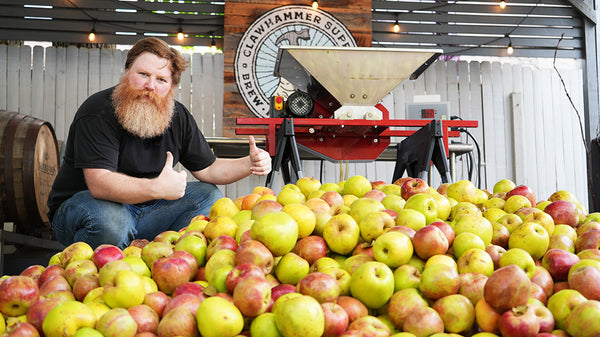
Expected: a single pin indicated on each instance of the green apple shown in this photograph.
(439, 280)
(217, 278)
(515, 203)
(562, 229)
(364, 206)
(583, 320)
(425, 204)
(562, 303)
(88, 332)
(264, 325)
(291, 268)
(493, 214)
(532, 238)
(478, 225)
(223, 207)
(218, 226)
(330, 187)
(304, 217)
(444, 207)
(323, 263)
(76, 251)
(117, 322)
(341, 233)
(373, 284)
(195, 244)
(276, 230)
(290, 196)
(393, 248)
(66, 318)
(242, 216)
(406, 276)
(107, 273)
(222, 257)
(242, 228)
(495, 203)
(300, 316)
(307, 185)
(411, 218)
(375, 224)
(441, 259)
(125, 291)
(463, 191)
(153, 251)
(465, 241)
(510, 221)
(343, 279)
(356, 185)
(503, 185)
(217, 317)
(457, 312)
(520, 258)
(138, 265)
(392, 189)
(543, 219)
(475, 260)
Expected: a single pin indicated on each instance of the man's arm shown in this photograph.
(226, 171)
(118, 187)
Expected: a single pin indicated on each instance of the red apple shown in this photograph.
(536, 292)
(543, 278)
(495, 253)
(375, 194)
(252, 295)
(17, 294)
(188, 301)
(403, 229)
(221, 242)
(38, 310)
(255, 252)
(588, 240)
(413, 186)
(524, 191)
(471, 286)
(424, 321)
(365, 248)
(401, 181)
(370, 326)
(145, 317)
(544, 316)
(333, 198)
(34, 271)
(168, 236)
(21, 329)
(507, 288)
(429, 241)
(264, 207)
(49, 272)
(323, 287)
(240, 272)
(558, 262)
(169, 273)
(189, 288)
(392, 213)
(53, 284)
(84, 284)
(446, 229)
(353, 307)
(563, 212)
(519, 321)
(178, 322)
(282, 289)
(584, 278)
(189, 258)
(336, 319)
(106, 253)
(311, 248)
(157, 300)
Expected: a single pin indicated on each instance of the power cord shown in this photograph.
(470, 167)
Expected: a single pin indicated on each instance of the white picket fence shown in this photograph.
(528, 132)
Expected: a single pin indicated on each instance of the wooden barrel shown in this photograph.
(29, 162)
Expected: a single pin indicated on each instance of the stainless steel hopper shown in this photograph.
(358, 77)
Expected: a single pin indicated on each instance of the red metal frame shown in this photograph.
(356, 139)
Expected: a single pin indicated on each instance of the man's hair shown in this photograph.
(161, 49)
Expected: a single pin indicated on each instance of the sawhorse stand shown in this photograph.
(416, 152)
(286, 154)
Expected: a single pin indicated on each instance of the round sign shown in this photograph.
(257, 50)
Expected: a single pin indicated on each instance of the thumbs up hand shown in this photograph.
(170, 182)
(260, 161)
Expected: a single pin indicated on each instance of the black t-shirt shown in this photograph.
(97, 140)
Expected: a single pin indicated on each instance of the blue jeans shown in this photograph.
(95, 221)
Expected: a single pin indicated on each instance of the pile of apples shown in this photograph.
(354, 258)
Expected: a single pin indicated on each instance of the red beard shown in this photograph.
(142, 112)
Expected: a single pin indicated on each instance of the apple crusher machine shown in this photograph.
(335, 114)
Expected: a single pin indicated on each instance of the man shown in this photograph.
(117, 182)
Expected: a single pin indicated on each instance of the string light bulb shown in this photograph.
(502, 4)
(509, 49)
(213, 46)
(92, 35)
(180, 34)
(396, 28)
(315, 4)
